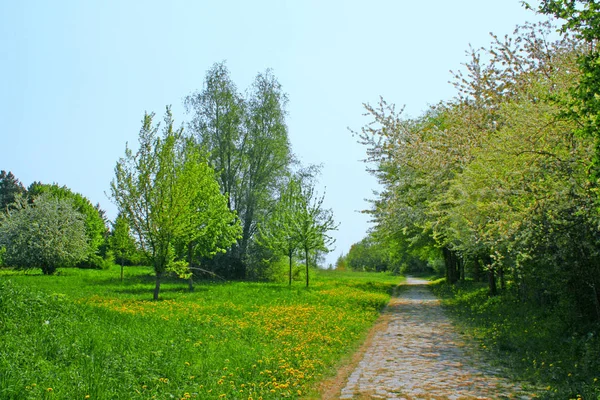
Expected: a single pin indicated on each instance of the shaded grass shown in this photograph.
(85, 333)
(536, 344)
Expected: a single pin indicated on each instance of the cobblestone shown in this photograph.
(419, 354)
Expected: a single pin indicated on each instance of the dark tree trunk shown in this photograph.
(450, 260)
(502, 280)
(487, 262)
(157, 286)
(461, 268)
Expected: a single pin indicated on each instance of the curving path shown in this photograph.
(417, 353)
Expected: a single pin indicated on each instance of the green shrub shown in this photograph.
(93, 261)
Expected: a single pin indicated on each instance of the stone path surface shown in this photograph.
(419, 354)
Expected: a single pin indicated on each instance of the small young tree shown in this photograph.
(161, 190)
(280, 232)
(314, 223)
(120, 242)
(47, 233)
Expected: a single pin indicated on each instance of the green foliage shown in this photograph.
(47, 234)
(10, 189)
(367, 255)
(95, 226)
(280, 232)
(168, 194)
(535, 344)
(314, 222)
(378, 253)
(340, 263)
(582, 18)
(121, 243)
(249, 148)
(496, 181)
(86, 333)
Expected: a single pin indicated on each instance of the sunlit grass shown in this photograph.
(85, 333)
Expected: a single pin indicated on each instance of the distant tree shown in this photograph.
(121, 243)
(267, 154)
(368, 255)
(47, 233)
(248, 145)
(10, 188)
(314, 223)
(280, 231)
(95, 225)
(164, 191)
(340, 263)
(218, 114)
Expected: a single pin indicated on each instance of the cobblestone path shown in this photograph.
(419, 354)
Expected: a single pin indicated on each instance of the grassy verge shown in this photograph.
(536, 344)
(85, 334)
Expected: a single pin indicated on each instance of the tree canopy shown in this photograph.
(95, 227)
(10, 189)
(168, 193)
(248, 145)
(47, 233)
(497, 180)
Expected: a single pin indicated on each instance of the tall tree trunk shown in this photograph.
(491, 274)
(450, 260)
(461, 268)
(501, 276)
(157, 286)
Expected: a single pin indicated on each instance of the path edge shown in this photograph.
(331, 388)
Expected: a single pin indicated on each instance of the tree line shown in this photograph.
(47, 225)
(500, 183)
(223, 195)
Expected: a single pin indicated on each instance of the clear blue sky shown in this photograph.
(77, 76)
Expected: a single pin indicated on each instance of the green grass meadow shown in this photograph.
(84, 334)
